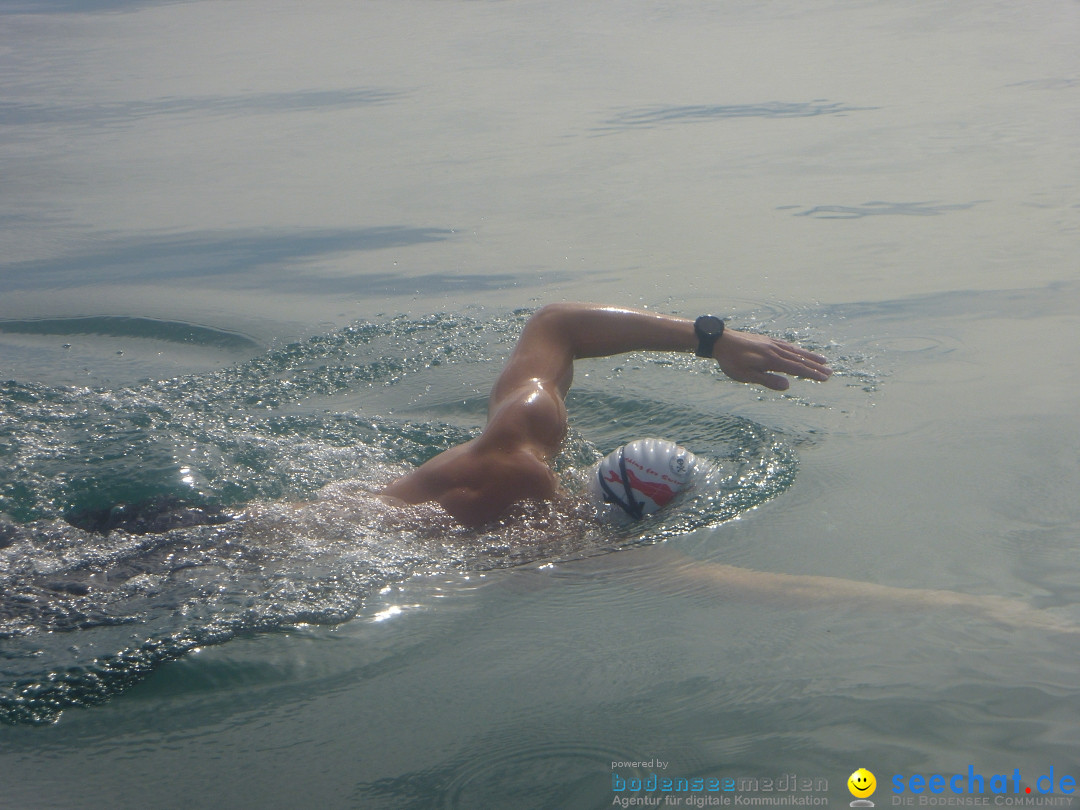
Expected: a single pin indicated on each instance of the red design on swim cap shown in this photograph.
(660, 493)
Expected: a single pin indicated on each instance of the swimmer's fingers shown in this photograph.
(803, 355)
(802, 363)
(759, 359)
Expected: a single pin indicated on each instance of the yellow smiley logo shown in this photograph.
(862, 783)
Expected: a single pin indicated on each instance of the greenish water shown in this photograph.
(258, 256)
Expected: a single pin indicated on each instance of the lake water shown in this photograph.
(258, 254)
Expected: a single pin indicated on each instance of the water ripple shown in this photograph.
(700, 113)
(878, 208)
(19, 113)
(120, 326)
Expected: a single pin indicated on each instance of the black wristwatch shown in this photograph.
(708, 329)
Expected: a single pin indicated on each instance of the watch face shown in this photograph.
(709, 324)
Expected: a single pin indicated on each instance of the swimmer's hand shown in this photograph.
(749, 358)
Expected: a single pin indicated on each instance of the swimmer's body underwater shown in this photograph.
(510, 461)
(478, 481)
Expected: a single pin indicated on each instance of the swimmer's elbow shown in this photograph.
(561, 316)
(403, 491)
(555, 311)
(549, 322)
(565, 327)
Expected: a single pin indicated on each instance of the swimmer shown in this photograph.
(476, 482)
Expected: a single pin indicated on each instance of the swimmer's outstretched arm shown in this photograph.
(798, 591)
(527, 418)
(558, 334)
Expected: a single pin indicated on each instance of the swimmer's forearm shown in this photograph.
(592, 330)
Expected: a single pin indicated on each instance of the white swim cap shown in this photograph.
(642, 476)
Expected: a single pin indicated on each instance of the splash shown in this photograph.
(148, 521)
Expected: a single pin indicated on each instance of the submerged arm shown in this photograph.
(797, 591)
